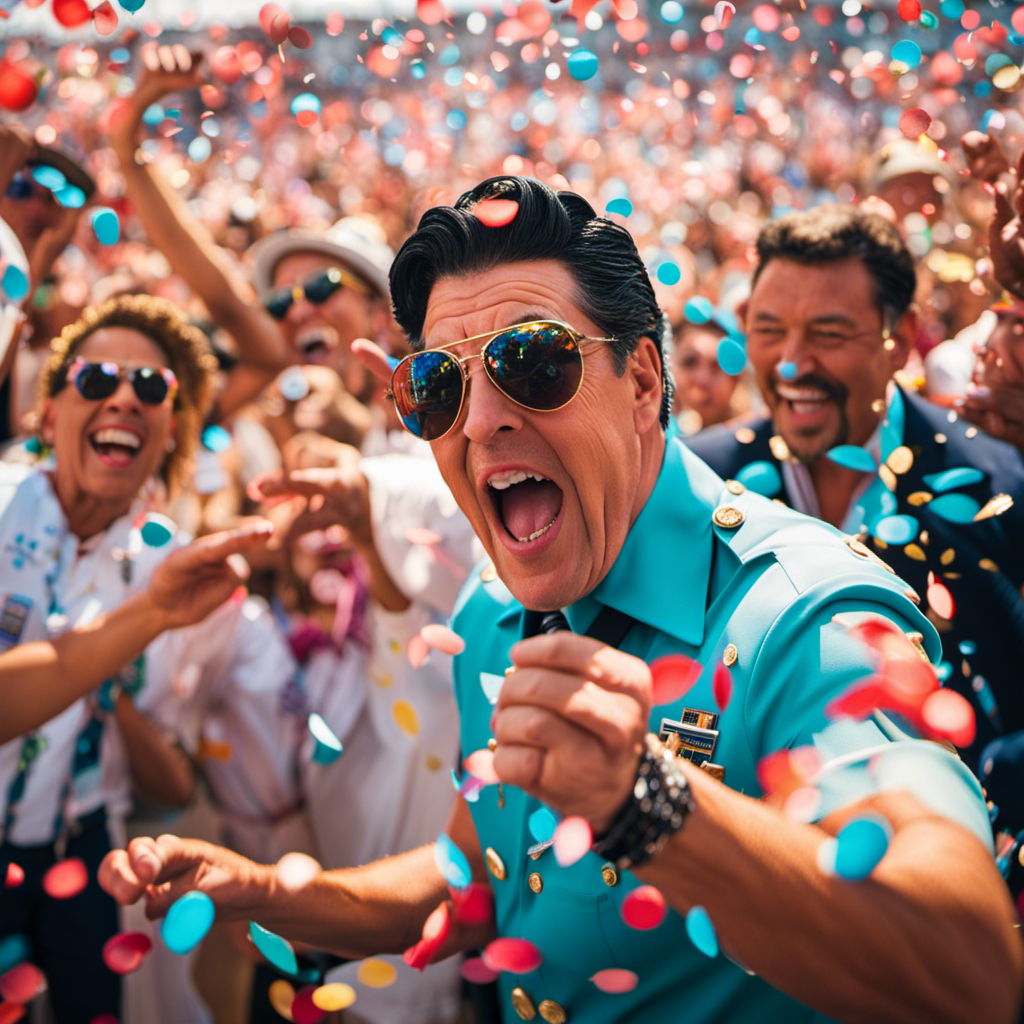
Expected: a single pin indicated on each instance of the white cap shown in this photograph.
(357, 243)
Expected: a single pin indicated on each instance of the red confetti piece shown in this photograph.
(672, 676)
(71, 13)
(496, 213)
(615, 980)
(723, 13)
(226, 65)
(15, 876)
(721, 686)
(1017, 20)
(480, 764)
(299, 37)
(791, 33)
(443, 639)
(474, 904)
(857, 702)
(268, 12)
(306, 118)
(304, 1010)
(125, 952)
(18, 89)
(909, 10)
(22, 984)
(279, 27)
(644, 908)
(766, 18)
(572, 841)
(518, 956)
(104, 19)
(477, 972)
(435, 930)
(941, 600)
(784, 771)
(11, 1012)
(430, 12)
(417, 650)
(65, 879)
(946, 715)
(915, 122)
(970, 20)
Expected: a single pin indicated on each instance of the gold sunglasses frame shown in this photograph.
(460, 361)
(345, 279)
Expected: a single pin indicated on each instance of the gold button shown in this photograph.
(523, 1004)
(552, 1012)
(734, 487)
(489, 574)
(610, 875)
(888, 477)
(535, 882)
(745, 435)
(495, 864)
(900, 460)
(729, 655)
(779, 448)
(728, 517)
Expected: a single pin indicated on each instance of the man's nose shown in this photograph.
(798, 356)
(124, 397)
(487, 410)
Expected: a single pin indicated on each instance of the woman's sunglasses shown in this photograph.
(96, 381)
(539, 365)
(317, 289)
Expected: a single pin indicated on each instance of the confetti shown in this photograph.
(417, 650)
(721, 686)
(157, 530)
(644, 908)
(18, 88)
(477, 972)
(374, 973)
(187, 922)
(909, 10)
(105, 19)
(14, 280)
(327, 748)
(615, 980)
(276, 949)
(761, 477)
(517, 956)
(71, 13)
(859, 846)
(496, 213)
(67, 878)
(22, 984)
(946, 715)
(853, 457)
(698, 310)
(282, 995)
(299, 37)
(443, 639)
(296, 870)
(786, 370)
(406, 718)
(15, 876)
(333, 997)
(474, 903)
(915, 122)
(491, 684)
(724, 12)
(451, 862)
(732, 356)
(542, 824)
(701, 931)
(480, 764)
(124, 952)
(940, 600)
(898, 529)
(582, 65)
(672, 677)
(572, 841)
(303, 1009)
(105, 225)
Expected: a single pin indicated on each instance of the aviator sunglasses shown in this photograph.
(96, 381)
(317, 288)
(538, 365)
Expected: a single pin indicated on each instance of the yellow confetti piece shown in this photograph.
(282, 995)
(406, 717)
(376, 973)
(433, 763)
(914, 552)
(987, 563)
(919, 498)
(335, 996)
(382, 679)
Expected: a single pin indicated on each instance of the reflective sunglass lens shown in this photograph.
(539, 368)
(428, 393)
(149, 385)
(320, 288)
(278, 303)
(96, 381)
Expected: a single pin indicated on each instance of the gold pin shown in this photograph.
(535, 882)
(489, 574)
(734, 487)
(744, 435)
(495, 864)
(728, 517)
(609, 875)
(492, 743)
(523, 1004)
(729, 655)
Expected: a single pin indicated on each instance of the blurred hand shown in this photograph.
(17, 145)
(570, 723)
(164, 869)
(998, 410)
(194, 580)
(373, 357)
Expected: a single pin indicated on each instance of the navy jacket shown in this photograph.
(980, 563)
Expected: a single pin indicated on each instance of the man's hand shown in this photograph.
(164, 869)
(998, 410)
(192, 581)
(570, 723)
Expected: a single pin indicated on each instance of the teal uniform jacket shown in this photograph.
(705, 565)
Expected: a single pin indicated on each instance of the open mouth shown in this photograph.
(115, 445)
(527, 503)
(804, 401)
(315, 344)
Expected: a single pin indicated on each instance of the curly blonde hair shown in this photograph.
(187, 353)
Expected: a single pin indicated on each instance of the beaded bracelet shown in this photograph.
(655, 810)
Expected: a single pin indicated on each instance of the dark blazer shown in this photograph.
(980, 563)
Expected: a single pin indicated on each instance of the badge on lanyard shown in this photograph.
(694, 737)
(13, 617)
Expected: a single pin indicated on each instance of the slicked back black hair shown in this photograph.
(614, 289)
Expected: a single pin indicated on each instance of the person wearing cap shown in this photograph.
(539, 380)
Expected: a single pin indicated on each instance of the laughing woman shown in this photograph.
(91, 578)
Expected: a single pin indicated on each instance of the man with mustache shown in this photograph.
(829, 321)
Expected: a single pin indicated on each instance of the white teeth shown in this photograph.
(502, 481)
(111, 435)
(315, 336)
(537, 533)
(802, 408)
(801, 394)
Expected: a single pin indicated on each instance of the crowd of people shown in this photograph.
(661, 663)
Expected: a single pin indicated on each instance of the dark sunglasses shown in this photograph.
(96, 381)
(538, 365)
(317, 289)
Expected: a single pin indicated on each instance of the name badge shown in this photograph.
(13, 617)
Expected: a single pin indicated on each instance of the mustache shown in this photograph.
(836, 391)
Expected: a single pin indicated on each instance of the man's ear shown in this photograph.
(903, 335)
(645, 368)
(741, 313)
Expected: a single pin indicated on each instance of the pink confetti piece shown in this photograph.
(672, 676)
(296, 870)
(477, 972)
(21, 984)
(443, 639)
(723, 13)
(304, 1010)
(421, 535)
(104, 19)
(615, 980)
(474, 904)
(15, 876)
(644, 908)
(572, 841)
(915, 122)
(299, 37)
(946, 715)
(480, 764)
(496, 213)
(721, 686)
(518, 956)
(803, 804)
(279, 27)
(417, 650)
(65, 879)
(124, 953)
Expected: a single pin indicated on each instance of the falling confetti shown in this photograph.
(333, 997)
(276, 949)
(480, 764)
(915, 122)
(701, 931)
(123, 953)
(327, 748)
(615, 980)
(582, 65)
(451, 862)
(105, 225)
(721, 686)
(572, 841)
(477, 972)
(67, 878)
(852, 456)
(187, 922)
(21, 984)
(443, 639)
(496, 213)
(672, 677)
(859, 846)
(644, 908)
(374, 973)
(518, 956)
(947, 715)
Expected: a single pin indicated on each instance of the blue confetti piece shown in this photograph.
(853, 457)
(698, 310)
(327, 747)
(71, 197)
(967, 647)
(157, 531)
(392, 363)
(732, 356)
(952, 9)
(896, 529)
(582, 65)
(34, 446)
(305, 101)
(672, 11)
(49, 177)
(105, 225)
(199, 149)
(153, 115)
(131, 6)
(906, 51)
(216, 438)
(13, 950)
(701, 931)
(762, 477)
(456, 120)
(668, 273)
(542, 824)
(622, 206)
(276, 949)
(187, 922)
(491, 684)
(392, 37)
(787, 371)
(987, 700)
(962, 476)
(14, 283)
(451, 862)
(417, 68)
(956, 508)
(860, 845)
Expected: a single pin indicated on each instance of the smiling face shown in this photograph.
(107, 449)
(701, 383)
(824, 321)
(550, 494)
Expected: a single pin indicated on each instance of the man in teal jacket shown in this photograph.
(597, 524)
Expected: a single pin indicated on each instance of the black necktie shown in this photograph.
(554, 622)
